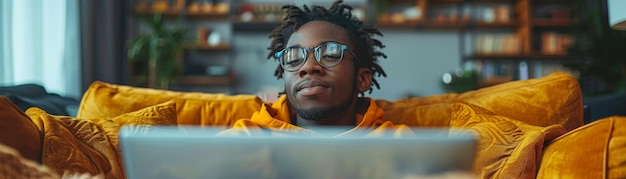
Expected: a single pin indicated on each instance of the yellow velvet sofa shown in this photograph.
(527, 129)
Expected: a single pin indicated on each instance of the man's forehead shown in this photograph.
(316, 32)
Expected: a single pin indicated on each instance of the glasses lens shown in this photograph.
(293, 58)
(330, 54)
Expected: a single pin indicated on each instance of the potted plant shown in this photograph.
(605, 71)
(156, 55)
(460, 80)
(603, 75)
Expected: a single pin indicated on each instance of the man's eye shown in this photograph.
(293, 61)
(331, 57)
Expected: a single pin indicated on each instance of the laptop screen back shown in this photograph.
(194, 152)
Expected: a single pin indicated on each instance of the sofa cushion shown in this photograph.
(595, 150)
(430, 111)
(507, 148)
(18, 132)
(160, 114)
(81, 145)
(102, 100)
(553, 99)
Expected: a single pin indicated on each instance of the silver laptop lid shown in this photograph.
(196, 152)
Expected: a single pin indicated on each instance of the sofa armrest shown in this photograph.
(595, 150)
(18, 131)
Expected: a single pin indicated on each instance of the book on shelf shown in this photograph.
(494, 70)
(497, 44)
(555, 43)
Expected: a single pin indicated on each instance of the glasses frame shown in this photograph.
(279, 55)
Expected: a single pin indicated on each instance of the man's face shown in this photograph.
(314, 91)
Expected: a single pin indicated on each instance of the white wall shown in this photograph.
(254, 71)
(416, 60)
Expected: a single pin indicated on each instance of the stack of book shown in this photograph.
(504, 44)
(553, 43)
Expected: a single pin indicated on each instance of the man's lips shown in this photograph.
(307, 84)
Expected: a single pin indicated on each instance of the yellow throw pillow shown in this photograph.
(430, 111)
(596, 150)
(160, 114)
(90, 146)
(553, 99)
(18, 132)
(507, 148)
(103, 100)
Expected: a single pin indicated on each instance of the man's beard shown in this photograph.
(317, 113)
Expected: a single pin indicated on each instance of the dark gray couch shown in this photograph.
(32, 95)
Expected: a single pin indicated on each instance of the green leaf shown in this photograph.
(137, 47)
(161, 47)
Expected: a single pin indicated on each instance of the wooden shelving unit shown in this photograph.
(166, 14)
(447, 1)
(207, 16)
(515, 20)
(546, 22)
(527, 27)
(253, 25)
(497, 25)
(444, 26)
(434, 15)
(399, 26)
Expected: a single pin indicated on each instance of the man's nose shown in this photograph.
(311, 66)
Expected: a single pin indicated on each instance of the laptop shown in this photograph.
(197, 152)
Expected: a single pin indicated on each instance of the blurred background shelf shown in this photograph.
(528, 27)
(207, 16)
(254, 25)
(547, 22)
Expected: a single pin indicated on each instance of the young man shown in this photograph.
(327, 57)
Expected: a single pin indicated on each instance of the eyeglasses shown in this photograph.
(327, 54)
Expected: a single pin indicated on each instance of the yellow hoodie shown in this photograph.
(275, 119)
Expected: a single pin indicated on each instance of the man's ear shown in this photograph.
(364, 79)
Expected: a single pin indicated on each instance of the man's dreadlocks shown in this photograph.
(339, 14)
